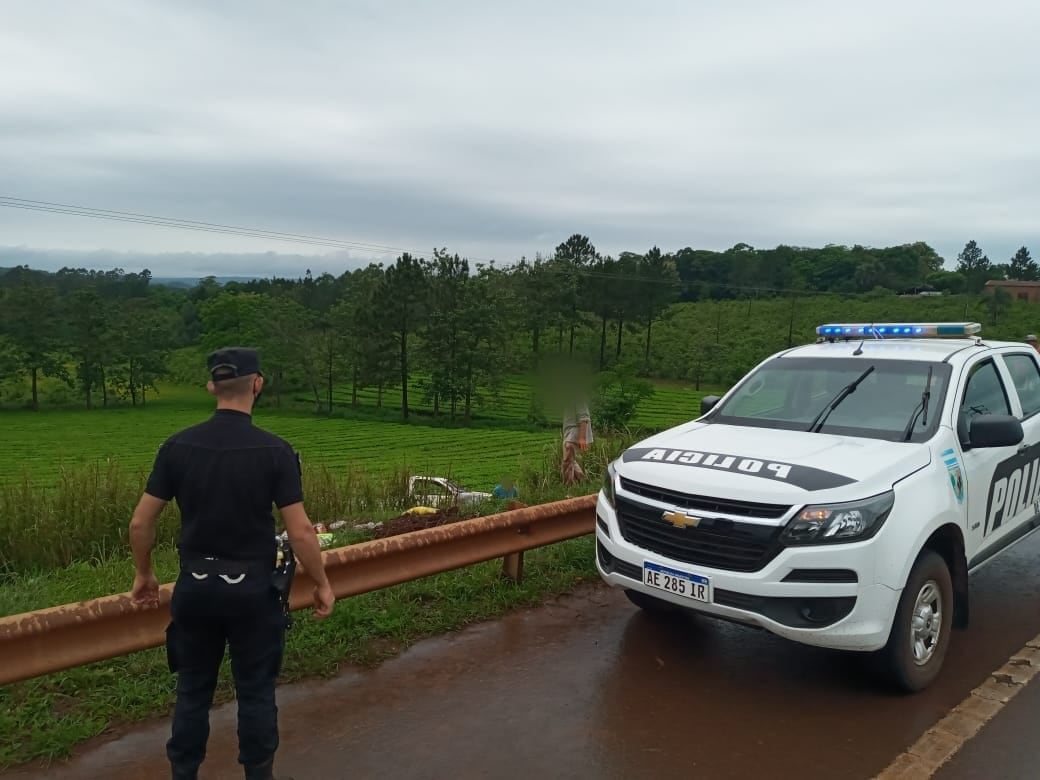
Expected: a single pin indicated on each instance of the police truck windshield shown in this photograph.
(791, 393)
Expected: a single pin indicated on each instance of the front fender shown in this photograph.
(923, 504)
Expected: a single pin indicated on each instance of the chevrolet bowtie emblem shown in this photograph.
(681, 519)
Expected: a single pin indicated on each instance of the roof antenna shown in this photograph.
(859, 349)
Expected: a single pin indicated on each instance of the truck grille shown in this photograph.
(727, 506)
(717, 543)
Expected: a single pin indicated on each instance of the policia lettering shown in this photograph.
(1014, 489)
(805, 477)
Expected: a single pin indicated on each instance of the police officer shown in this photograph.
(225, 475)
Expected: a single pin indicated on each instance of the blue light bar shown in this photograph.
(900, 330)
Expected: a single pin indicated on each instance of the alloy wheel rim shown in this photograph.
(926, 623)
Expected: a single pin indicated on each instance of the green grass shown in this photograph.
(40, 444)
(45, 718)
(82, 514)
(673, 402)
(70, 477)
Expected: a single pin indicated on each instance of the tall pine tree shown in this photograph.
(1023, 268)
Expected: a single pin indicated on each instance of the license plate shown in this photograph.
(681, 583)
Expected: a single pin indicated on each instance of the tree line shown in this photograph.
(460, 328)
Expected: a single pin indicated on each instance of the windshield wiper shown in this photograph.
(921, 410)
(844, 393)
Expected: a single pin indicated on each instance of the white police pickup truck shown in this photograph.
(840, 494)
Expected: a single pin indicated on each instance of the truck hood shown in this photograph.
(769, 465)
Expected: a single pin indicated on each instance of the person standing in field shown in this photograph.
(225, 475)
(577, 436)
(566, 382)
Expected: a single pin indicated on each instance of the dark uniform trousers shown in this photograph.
(218, 603)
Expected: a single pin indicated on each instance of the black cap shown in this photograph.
(232, 362)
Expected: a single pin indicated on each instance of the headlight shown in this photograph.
(831, 523)
(609, 474)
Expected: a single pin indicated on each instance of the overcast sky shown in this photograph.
(497, 129)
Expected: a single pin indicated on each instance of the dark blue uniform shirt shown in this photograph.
(226, 474)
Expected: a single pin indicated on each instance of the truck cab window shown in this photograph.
(1026, 377)
(985, 392)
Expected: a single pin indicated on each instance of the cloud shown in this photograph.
(498, 131)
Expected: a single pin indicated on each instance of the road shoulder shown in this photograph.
(1006, 747)
(991, 723)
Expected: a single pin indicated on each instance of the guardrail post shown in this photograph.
(513, 566)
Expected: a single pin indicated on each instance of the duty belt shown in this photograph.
(231, 571)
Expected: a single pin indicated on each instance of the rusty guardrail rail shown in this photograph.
(50, 640)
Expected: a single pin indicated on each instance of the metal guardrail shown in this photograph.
(50, 640)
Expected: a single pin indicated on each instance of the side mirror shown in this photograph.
(995, 430)
(709, 402)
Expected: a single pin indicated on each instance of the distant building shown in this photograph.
(1022, 291)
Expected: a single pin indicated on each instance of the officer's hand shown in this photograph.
(146, 590)
(324, 599)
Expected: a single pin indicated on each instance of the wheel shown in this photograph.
(649, 603)
(921, 629)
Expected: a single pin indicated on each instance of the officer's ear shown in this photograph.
(211, 388)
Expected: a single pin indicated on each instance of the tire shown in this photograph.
(651, 604)
(922, 626)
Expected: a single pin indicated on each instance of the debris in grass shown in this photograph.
(411, 522)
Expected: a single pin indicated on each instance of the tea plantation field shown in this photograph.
(39, 444)
(671, 403)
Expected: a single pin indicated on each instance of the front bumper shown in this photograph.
(824, 596)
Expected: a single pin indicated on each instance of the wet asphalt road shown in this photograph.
(589, 687)
(1006, 748)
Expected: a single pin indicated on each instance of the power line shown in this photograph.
(206, 224)
(162, 224)
(7, 201)
(190, 224)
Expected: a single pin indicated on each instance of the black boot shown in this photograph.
(185, 774)
(264, 771)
